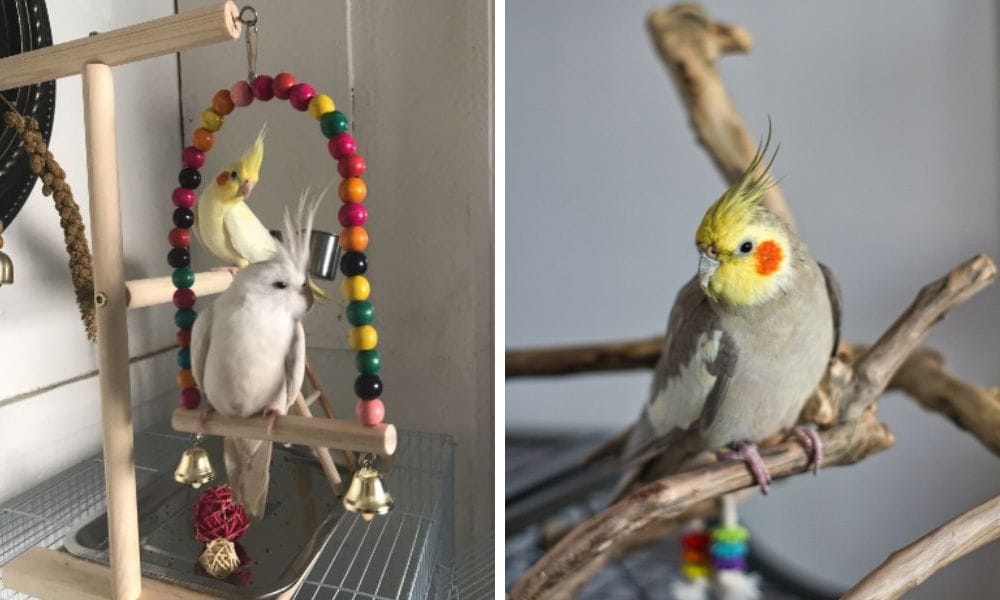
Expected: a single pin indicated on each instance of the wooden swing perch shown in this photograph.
(844, 405)
(51, 574)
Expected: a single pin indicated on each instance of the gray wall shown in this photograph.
(887, 117)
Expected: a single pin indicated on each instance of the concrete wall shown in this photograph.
(42, 343)
(887, 118)
(415, 80)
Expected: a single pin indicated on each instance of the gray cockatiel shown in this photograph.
(747, 342)
(248, 351)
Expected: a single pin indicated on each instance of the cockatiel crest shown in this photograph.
(237, 180)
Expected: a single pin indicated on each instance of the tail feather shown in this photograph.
(248, 466)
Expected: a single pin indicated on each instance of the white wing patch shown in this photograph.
(679, 403)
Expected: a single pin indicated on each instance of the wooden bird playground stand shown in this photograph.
(46, 573)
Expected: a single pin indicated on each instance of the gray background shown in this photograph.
(887, 117)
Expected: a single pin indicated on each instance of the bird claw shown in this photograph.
(809, 438)
(272, 418)
(200, 427)
(748, 453)
(230, 269)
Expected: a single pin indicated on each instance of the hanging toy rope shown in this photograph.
(43, 164)
(334, 125)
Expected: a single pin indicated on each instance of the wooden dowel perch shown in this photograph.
(140, 293)
(908, 567)
(184, 30)
(290, 429)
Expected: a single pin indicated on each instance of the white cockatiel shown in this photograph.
(248, 350)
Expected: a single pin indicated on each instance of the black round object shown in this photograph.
(24, 26)
(189, 178)
(179, 258)
(368, 386)
(353, 263)
(184, 217)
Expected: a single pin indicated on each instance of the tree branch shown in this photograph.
(908, 567)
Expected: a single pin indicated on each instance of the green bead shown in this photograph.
(183, 278)
(333, 123)
(184, 318)
(368, 361)
(360, 312)
(184, 358)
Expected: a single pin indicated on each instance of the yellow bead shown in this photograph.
(320, 105)
(211, 120)
(363, 338)
(696, 571)
(356, 288)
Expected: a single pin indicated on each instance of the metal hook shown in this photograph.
(248, 17)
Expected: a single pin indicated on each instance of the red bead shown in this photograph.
(184, 298)
(300, 95)
(281, 84)
(184, 197)
(341, 145)
(262, 87)
(190, 398)
(352, 214)
(180, 237)
(193, 157)
(369, 412)
(241, 93)
(183, 338)
(351, 166)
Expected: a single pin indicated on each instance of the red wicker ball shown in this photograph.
(216, 516)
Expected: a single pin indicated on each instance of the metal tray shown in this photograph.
(300, 516)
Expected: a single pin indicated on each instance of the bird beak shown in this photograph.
(245, 188)
(310, 297)
(706, 268)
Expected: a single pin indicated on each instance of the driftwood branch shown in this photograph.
(689, 42)
(908, 567)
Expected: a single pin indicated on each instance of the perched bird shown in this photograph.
(248, 350)
(223, 221)
(748, 340)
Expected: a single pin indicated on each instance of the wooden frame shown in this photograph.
(51, 574)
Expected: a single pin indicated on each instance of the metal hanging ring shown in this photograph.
(248, 16)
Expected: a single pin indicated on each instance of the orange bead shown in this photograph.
(222, 102)
(185, 379)
(203, 139)
(354, 238)
(695, 556)
(352, 189)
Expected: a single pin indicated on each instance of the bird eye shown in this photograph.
(233, 174)
(279, 285)
(746, 247)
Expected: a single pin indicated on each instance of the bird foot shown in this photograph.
(272, 418)
(200, 427)
(809, 437)
(230, 269)
(748, 453)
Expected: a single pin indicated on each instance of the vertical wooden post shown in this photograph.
(112, 332)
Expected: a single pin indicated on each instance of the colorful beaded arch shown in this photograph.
(353, 238)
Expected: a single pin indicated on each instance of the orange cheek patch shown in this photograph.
(768, 255)
(222, 178)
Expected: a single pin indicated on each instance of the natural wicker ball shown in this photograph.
(216, 516)
(219, 558)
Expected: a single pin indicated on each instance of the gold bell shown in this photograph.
(6, 265)
(366, 494)
(195, 468)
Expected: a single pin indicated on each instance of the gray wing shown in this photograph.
(295, 364)
(836, 303)
(691, 323)
(201, 335)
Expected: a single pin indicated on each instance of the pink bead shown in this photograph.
(241, 93)
(351, 166)
(190, 398)
(282, 83)
(184, 298)
(352, 214)
(341, 145)
(300, 95)
(183, 197)
(369, 412)
(261, 87)
(193, 157)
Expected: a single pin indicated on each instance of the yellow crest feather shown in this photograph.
(251, 160)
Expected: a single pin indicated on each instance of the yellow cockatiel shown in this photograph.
(223, 221)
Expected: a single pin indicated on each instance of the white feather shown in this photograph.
(733, 584)
(694, 589)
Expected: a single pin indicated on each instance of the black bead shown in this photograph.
(179, 258)
(189, 178)
(368, 386)
(184, 217)
(353, 263)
